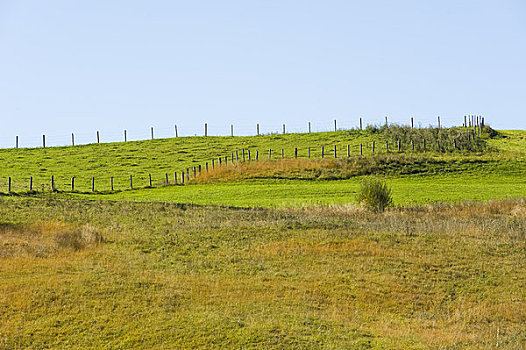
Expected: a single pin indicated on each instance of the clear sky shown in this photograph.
(82, 66)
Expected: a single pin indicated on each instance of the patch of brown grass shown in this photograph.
(45, 238)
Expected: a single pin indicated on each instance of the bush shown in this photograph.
(374, 194)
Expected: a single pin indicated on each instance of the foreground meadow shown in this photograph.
(104, 274)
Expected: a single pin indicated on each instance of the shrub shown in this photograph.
(374, 194)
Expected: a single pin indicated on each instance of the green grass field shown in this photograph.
(267, 254)
(442, 176)
(409, 190)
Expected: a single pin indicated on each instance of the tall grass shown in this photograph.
(179, 276)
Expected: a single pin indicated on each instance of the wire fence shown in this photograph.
(395, 141)
(243, 128)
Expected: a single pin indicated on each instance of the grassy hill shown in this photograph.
(490, 168)
(197, 266)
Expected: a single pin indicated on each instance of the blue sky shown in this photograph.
(83, 66)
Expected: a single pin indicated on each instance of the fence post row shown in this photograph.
(471, 134)
(476, 121)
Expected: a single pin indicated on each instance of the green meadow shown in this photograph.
(417, 176)
(268, 253)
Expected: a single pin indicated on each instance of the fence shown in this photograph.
(467, 121)
(465, 139)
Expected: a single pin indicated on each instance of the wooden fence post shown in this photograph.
(465, 121)
(206, 166)
(296, 152)
(206, 129)
(165, 180)
(16, 142)
(335, 128)
(232, 157)
(424, 144)
(361, 149)
(199, 168)
(269, 153)
(111, 181)
(52, 183)
(175, 177)
(182, 177)
(399, 146)
(248, 151)
(125, 136)
(361, 128)
(93, 184)
(151, 131)
(412, 123)
(232, 130)
(213, 165)
(322, 151)
(131, 183)
(282, 153)
(9, 185)
(257, 129)
(243, 152)
(386, 123)
(439, 122)
(412, 145)
(175, 126)
(284, 128)
(195, 171)
(72, 139)
(387, 146)
(373, 146)
(257, 155)
(309, 128)
(309, 152)
(31, 183)
(98, 137)
(334, 151)
(188, 171)
(348, 150)
(149, 180)
(43, 141)
(72, 183)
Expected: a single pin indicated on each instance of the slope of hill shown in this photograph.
(494, 164)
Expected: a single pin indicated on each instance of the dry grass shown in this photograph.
(340, 168)
(431, 277)
(45, 239)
